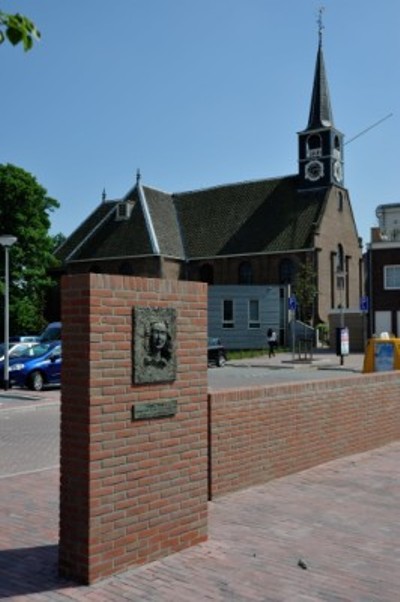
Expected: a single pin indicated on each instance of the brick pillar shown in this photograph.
(132, 491)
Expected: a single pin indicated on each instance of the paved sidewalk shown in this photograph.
(321, 359)
(331, 533)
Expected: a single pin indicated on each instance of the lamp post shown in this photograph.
(6, 241)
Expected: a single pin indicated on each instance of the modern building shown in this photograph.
(382, 261)
(247, 240)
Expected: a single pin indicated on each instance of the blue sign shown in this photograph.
(364, 303)
(292, 303)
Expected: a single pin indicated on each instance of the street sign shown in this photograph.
(292, 304)
(364, 303)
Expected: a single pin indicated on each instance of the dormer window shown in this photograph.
(314, 146)
(124, 211)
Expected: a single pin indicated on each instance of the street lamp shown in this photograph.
(6, 241)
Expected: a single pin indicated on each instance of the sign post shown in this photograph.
(292, 306)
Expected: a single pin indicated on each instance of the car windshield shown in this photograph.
(21, 350)
(29, 351)
(15, 349)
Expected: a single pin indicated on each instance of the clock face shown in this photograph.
(337, 171)
(314, 171)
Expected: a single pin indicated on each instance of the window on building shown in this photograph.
(287, 271)
(392, 277)
(207, 273)
(340, 201)
(254, 313)
(314, 146)
(227, 313)
(340, 259)
(245, 273)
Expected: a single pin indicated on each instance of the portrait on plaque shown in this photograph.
(154, 344)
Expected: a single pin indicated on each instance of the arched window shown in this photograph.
(207, 273)
(245, 273)
(340, 259)
(287, 271)
(340, 201)
(314, 146)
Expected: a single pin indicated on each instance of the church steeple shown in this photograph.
(320, 109)
(320, 144)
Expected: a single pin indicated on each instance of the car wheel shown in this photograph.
(36, 381)
(221, 361)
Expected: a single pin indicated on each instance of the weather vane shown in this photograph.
(320, 23)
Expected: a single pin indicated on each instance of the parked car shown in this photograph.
(25, 338)
(216, 352)
(39, 366)
(15, 349)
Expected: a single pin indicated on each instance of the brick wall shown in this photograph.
(131, 491)
(264, 433)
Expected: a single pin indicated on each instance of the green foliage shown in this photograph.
(306, 290)
(58, 240)
(18, 29)
(323, 333)
(24, 213)
(240, 354)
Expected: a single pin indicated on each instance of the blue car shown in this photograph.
(39, 366)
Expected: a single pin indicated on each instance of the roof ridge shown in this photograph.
(231, 184)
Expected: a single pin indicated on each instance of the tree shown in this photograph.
(18, 29)
(306, 290)
(58, 240)
(24, 213)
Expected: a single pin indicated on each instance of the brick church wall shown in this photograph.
(131, 491)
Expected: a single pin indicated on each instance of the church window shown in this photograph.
(336, 147)
(340, 259)
(286, 271)
(245, 273)
(340, 201)
(207, 273)
(314, 146)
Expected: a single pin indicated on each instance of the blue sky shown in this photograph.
(196, 93)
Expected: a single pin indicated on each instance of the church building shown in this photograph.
(247, 240)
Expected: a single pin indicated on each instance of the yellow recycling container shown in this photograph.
(382, 354)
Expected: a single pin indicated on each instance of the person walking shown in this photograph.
(272, 341)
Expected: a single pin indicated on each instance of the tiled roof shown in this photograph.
(249, 217)
(84, 230)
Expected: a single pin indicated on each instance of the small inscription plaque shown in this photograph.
(160, 409)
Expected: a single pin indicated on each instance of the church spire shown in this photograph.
(320, 144)
(320, 109)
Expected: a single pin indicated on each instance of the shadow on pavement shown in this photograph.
(26, 571)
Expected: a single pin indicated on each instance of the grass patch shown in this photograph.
(240, 354)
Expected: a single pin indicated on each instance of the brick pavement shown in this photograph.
(340, 519)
